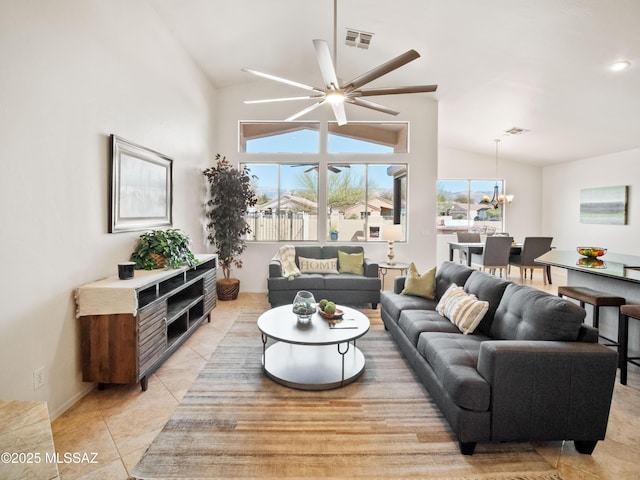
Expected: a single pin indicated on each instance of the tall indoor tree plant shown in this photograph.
(230, 196)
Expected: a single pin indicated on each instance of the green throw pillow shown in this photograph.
(420, 285)
(351, 262)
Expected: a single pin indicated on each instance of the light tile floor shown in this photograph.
(120, 421)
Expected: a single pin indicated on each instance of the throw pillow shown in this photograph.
(464, 310)
(318, 265)
(420, 285)
(450, 293)
(351, 262)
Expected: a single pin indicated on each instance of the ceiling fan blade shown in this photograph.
(372, 105)
(323, 54)
(283, 99)
(381, 70)
(304, 111)
(339, 112)
(282, 80)
(369, 92)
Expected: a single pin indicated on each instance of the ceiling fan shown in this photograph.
(337, 94)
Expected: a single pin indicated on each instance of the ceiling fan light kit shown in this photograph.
(620, 65)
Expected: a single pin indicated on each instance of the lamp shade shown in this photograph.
(391, 233)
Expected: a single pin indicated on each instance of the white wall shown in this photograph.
(73, 72)
(561, 201)
(420, 110)
(523, 217)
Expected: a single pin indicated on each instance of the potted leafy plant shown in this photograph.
(163, 248)
(333, 231)
(230, 196)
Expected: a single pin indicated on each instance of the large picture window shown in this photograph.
(362, 198)
(287, 208)
(360, 195)
(464, 205)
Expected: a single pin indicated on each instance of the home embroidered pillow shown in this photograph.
(464, 310)
(318, 265)
(420, 285)
(351, 262)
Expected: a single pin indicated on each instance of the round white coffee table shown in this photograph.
(312, 356)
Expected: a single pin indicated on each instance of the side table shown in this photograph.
(384, 267)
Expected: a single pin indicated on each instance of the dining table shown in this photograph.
(478, 247)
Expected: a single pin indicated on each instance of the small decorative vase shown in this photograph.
(334, 236)
(304, 306)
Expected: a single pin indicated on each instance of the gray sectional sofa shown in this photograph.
(531, 370)
(342, 288)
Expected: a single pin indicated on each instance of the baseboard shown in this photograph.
(72, 401)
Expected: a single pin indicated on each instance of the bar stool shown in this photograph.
(626, 311)
(596, 299)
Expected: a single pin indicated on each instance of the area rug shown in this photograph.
(236, 423)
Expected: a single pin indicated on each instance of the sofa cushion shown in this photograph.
(395, 303)
(305, 281)
(351, 262)
(525, 313)
(490, 289)
(449, 273)
(350, 281)
(463, 309)
(420, 285)
(454, 358)
(318, 265)
(414, 322)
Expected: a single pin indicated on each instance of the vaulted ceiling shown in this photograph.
(539, 65)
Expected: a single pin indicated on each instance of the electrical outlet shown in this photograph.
(39, 378)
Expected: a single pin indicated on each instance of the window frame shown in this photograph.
(322, 159)
(443, 229)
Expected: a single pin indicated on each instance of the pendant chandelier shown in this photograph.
(498, 198)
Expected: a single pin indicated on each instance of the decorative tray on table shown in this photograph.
(332, 316)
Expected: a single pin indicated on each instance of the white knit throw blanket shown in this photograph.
(287, 256)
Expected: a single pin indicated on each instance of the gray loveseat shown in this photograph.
(531, 370)
(342, 288)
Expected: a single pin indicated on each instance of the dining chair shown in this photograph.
(495, 255)
(466, 237)
(532, 248)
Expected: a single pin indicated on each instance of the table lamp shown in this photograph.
(391, 233)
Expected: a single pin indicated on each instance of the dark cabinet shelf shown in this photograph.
(128, 346)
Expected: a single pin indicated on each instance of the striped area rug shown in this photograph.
(236, 423)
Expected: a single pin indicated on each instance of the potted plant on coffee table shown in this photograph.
(230, 196)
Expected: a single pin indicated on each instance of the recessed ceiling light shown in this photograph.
(620, 65)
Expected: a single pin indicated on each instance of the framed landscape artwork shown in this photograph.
(141, 187)
(604, 205)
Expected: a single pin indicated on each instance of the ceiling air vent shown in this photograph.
(516, 131)
(357, 38)
(365, 40)
(352, 36)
